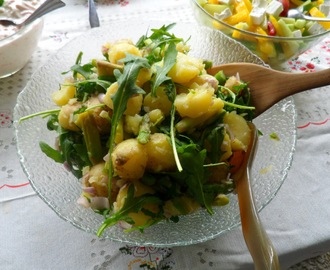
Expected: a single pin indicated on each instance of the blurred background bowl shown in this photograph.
(273, 50)
(17, 49)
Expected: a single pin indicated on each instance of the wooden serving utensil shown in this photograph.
(269, 86)
(260, 246)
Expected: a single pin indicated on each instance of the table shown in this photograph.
(34, 237)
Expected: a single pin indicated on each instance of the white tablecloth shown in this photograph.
(32, 236)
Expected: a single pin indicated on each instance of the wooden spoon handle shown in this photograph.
(269, 86)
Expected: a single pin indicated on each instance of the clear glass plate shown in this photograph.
(60, 190)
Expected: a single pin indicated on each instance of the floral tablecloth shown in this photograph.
(33, 237)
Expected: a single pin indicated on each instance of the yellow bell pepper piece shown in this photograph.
(273, 20)
(241, 14)
(218, 25)
(239, 35)
(248, 4)
(265, 46)
(213, 1)
(315, 12)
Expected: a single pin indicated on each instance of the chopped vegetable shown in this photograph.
(269, 18)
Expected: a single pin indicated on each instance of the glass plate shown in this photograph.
(60, 190)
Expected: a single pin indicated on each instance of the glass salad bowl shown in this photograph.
(273, 48)
(59, 189)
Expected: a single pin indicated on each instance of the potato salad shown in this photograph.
(150, 134)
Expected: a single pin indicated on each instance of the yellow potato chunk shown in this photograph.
(239, 129)
(66, 117)
(189, 125)
(231, 82)
(195, 103)
(160, 101)
(98, 178)
(129, 159)
(101, 116)
(186, 68)
(64, 94)
(226, 148)
(156, 116)
(134, 103)
(160, 153)
(140, 189)
(119, 50)
(132, 124)
(143, 76)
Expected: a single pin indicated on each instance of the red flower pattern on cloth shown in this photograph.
(311, 60)
(5, 119)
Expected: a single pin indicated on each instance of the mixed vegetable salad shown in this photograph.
(150, 134)
(269, 18)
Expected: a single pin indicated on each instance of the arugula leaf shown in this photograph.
(85, 88)
(51, 152)
(156, 42)
(126, 88)
(161, 72)
(85, 70)
(131, 205)
(239, 100)
(1, 2)
(192, 160)
(43, 114)
(73, 150)
(214, 139)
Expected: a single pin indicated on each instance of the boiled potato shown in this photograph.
(143, 76)
(195, 103)
(66, 117)
(156, 116)
(231, 82)
(189, 125)
(226, 148)
(132, 124)
(160, 153)
(129, 159)
(239, 129)
(140, 189)
(159, 101)
(119, 50)
(97, 177)
(101, 116)
(204, 79)
(186, 68)
(134, 103)
(66, 92)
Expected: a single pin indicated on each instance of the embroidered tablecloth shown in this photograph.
(34, 237)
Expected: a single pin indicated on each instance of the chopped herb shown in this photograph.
(274, 136)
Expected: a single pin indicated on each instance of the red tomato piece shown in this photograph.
(236, 160)
(271, 29)
(286, 5)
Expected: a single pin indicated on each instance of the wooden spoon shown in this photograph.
(261, 248)
(269, 86)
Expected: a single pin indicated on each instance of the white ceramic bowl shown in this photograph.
(16, 50)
